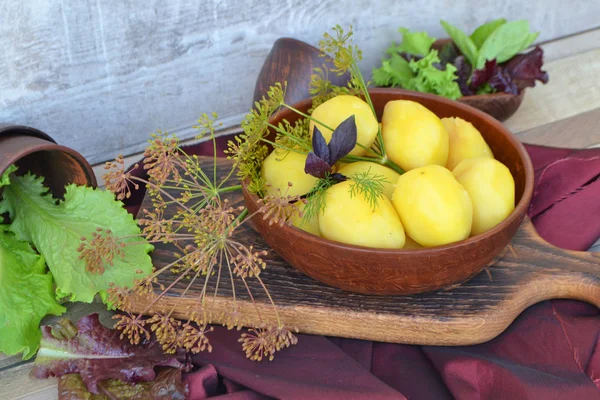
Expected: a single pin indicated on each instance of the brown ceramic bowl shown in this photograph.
(394, 272)
(33, 150)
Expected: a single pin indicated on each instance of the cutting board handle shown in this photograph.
(560, 273)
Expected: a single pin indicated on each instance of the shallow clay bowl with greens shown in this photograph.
(396, 272)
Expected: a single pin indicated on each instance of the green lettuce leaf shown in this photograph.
(505, 42)
(482, 32)
(464, 43)
(26, 296)
(5, 178)
(417, 43)
(56, 230)
(394, 72)
(429, 79)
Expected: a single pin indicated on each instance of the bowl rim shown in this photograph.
(519, 210)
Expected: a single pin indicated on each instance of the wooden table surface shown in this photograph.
(563, 113)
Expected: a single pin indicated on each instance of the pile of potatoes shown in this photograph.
(453, 186)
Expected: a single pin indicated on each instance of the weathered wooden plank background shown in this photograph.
(101, 75)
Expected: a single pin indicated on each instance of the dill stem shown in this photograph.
(390, 164)
(229, 189)
(279, 325)
(377, 160)
(279, 146)
(307, 116)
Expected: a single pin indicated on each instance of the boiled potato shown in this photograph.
(492, 190)
(310, 226)
(413, 136)
(338, 109)
(433, 207)
(410, 244)
(358, 167)
(465, 142)
(282, 167)
(350, 219)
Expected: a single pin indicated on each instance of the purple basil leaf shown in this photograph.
(525, 69)
(316, 166)
(320, 145)
(463, 73)
(481, 76)
(97, 354)
(448, 54)
(343, 140)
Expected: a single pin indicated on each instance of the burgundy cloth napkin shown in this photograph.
(551, 351)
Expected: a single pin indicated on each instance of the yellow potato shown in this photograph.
(491, 187)
(465, 142)
(410, 244)
(350, 219)
(338, 109)
(282, 167)
(310, 226)
(358, 167)
(413, 136)
(433, 207)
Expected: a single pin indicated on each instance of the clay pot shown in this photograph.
(33, 150)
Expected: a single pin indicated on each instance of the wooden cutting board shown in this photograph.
(527, 271)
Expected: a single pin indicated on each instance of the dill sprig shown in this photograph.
(369, 185)
(315, 199)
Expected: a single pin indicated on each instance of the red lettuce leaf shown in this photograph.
(526, 68)
(320, 145)
(316, 166)
(97, 354)
(482, 76)
(513, 76)
(167, 385)
(463, 72)
(343, 140)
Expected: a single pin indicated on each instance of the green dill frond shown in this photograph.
(315, 200)
(206, 125)
(248, 149)
(371, 186)
(290, 136)
(342, 53)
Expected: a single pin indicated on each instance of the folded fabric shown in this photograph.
(551, 351)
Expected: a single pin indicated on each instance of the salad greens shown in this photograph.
(450, 72)
(58, 230)
(26, 295)
(98, 354)
(414, 66)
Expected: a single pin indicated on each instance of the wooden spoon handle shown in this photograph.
(559, 273)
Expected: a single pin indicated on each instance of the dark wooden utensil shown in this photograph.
(292, 61)
(378, 271)
(33, 150)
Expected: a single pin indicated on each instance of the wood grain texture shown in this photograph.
(579, 131)
(572, 89)
(100, 76)
(528, 271)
